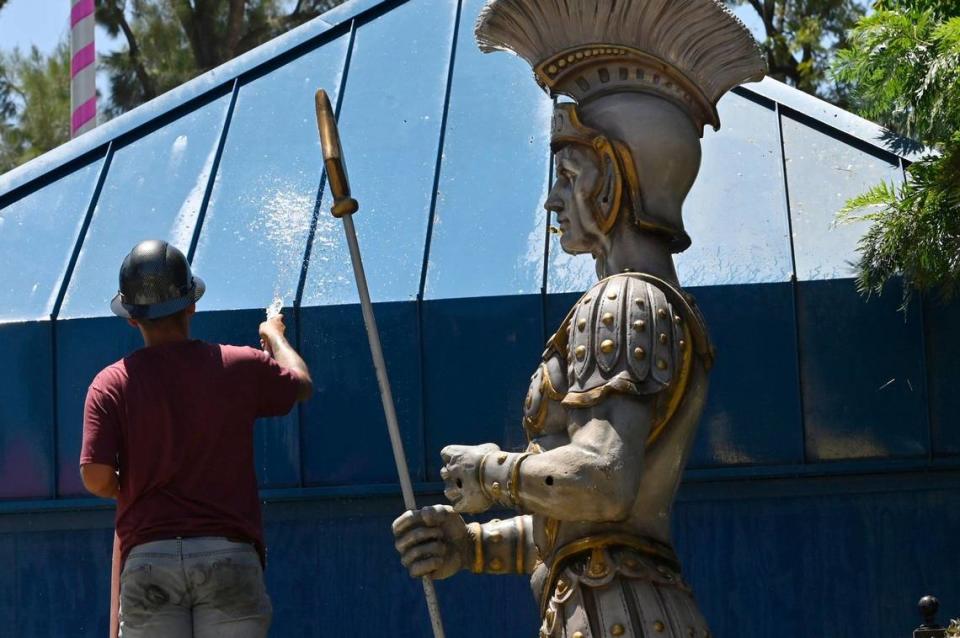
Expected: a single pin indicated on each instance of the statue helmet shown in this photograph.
(645, 75)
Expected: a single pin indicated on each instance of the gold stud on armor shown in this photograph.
(496, 564)
(577, 634)
(663, 337)
(501, 459)
(617, 630)
(639, 325)
(581, 352)
(662, 313)
(611, 296)
(581, 325)
(496, 537)
(639, 353)
(658, 626)
(607, 318)
(661, 364)
(607, 346)
(639, 302)
(495, 489)
(587, 300)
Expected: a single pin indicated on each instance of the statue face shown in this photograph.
(572, 199)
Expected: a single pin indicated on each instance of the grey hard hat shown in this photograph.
(155, 281)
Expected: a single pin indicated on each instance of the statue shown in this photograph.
(614, 404)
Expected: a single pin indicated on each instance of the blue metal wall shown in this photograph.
(822, 491)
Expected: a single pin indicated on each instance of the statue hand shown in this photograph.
(461, 476)
(433, 542)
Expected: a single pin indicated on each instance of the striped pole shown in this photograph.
(83, 68)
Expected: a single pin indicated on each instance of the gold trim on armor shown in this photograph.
(477, 532)
(515, 480)
(518, 522)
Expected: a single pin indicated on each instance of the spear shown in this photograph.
(344, 206)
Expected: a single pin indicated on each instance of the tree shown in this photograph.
(34, 103)
(170, 41)
(802, 37)
(903, 69)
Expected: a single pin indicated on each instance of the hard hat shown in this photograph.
(155, 281)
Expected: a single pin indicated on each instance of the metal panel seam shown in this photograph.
(305, 263)
(794, 286)
(214, 169)
(434, 194)
(55, 312)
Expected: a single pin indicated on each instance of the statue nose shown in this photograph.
(553, 204)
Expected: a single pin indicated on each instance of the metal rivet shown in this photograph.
(496, 564)
(678, 318)
(662, 313)
(581, 352)
(617, 630)
(607, 346)
(639, 325)
(495, 489)
(663, 337)
(552, 69)
(658, 626)
(578, 634)
(561, 63)
(587, 300)
(611, 296)
(683, 344)
(639, 302)
(661, 364)
(501, 459)
(582, 325)
(607, 318)
(639, 353)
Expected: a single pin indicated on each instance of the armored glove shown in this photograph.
(477, 477)
(433, 541)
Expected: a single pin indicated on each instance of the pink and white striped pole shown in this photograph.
(83, 68)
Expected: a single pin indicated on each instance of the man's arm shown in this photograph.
(274, 342)
(100, 479)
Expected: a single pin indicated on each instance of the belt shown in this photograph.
(595, 544)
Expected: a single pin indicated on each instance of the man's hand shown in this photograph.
(433, 542)
(461, 476)
(271, 330)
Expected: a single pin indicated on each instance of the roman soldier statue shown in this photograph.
(614, 404)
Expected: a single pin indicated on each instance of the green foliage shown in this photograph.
(802, 36)
(34, 103)
(903, 70)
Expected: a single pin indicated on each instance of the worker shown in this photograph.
(168, 432)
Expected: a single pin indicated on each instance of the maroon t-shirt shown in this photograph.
(177, 420)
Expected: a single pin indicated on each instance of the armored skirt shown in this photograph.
(619, 591)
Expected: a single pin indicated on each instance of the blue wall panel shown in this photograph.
(488, 232)
(256, 229)
(153, 190)
(941, 324)
(479, 355)
(390, 128)
(62, 583)
(344, 431)
(37, 237)
(276, 440)
(862, 373)
(26, 411)
(752, 414)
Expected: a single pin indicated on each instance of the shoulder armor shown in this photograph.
(634, 334)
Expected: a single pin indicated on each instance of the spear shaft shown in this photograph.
(344, 206)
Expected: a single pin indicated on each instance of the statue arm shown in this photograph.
(594, 477)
